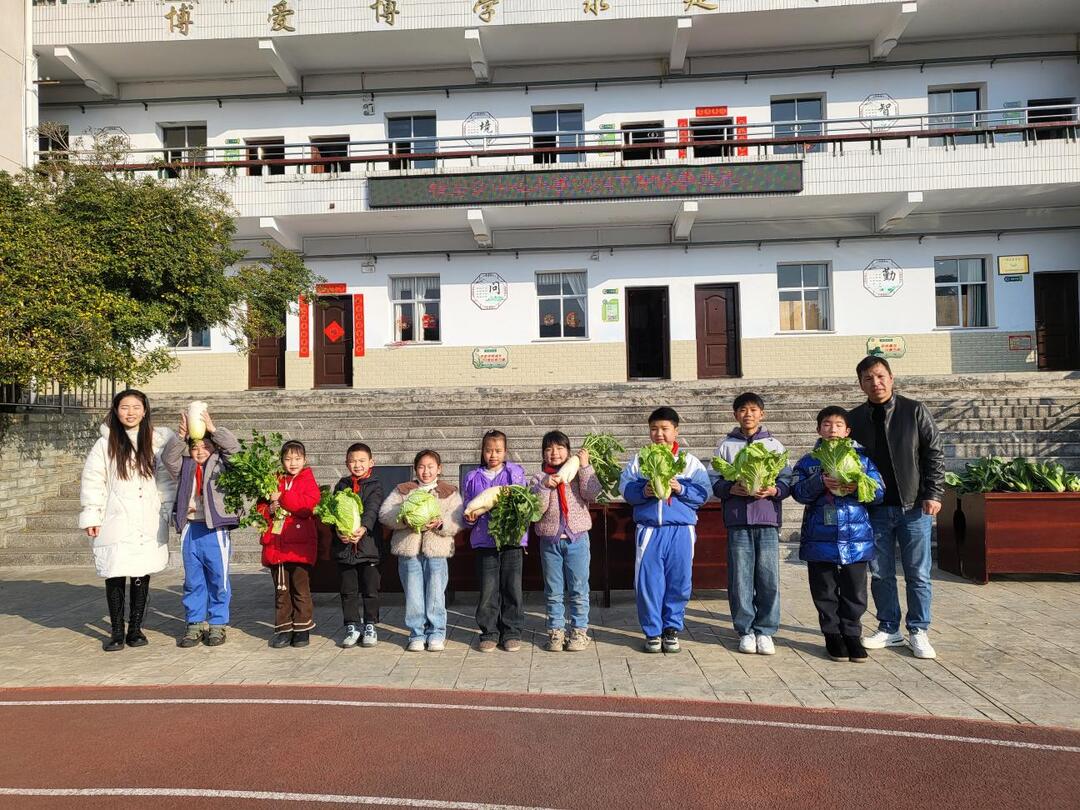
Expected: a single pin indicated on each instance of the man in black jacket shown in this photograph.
(901, 438)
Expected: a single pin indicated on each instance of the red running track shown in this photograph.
(196, 747)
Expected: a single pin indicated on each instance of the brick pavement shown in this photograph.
(1007, 651)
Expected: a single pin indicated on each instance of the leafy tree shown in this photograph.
(97, 266)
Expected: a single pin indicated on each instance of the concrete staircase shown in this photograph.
(1033, 415)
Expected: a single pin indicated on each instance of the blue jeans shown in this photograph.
(566, 577)
(206, 554)
(424, 581)
(754, 579)
(911, 529)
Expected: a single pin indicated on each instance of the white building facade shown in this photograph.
(503, 191)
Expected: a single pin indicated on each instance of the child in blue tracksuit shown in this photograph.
(837, 542)
(664, 538)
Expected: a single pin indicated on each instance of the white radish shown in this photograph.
(484, 502)
(195, 424)
(568, 470)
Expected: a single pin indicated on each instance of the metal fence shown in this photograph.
(52, 396)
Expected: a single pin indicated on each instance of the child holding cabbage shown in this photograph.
(424, 515)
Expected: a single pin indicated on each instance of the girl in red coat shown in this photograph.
(290, 546)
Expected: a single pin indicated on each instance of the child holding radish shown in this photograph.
(566, 486)
(500, 612)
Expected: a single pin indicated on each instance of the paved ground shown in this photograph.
(1008, 651)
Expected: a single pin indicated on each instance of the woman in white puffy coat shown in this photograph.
(126, 498)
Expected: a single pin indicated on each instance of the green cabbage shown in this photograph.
(661, 467)
(841, 461)
(419, 509)
(341, 510)
(756, 467)
(514, 511)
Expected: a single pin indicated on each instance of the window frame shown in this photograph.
(561, 298)
(339, 143)
(827, 310)
(396, 144)
(558, 137)
(977, 120)
(819, 128)
(724, 122)
(649, 143)
(395, 330)
(258, 147)
(185, 343)
(959, 285)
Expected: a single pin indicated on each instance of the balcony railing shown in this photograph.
(52, 396)
(700, 139)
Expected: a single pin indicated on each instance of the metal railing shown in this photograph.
(52, 396)
(705, 138)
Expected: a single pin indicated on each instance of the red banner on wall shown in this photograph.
(684, 134)
(358, 325)
(740, 135)
(329, 289)
(710, 112)
(305, 328)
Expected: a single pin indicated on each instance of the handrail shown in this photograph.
(53, 396)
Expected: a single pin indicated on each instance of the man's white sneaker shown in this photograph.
(920, 645)
(881, 639)
(747, 644)
(765, 646)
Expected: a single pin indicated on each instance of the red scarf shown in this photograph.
(198, 480)
(356, 479)
(675, 453)
(564, 506)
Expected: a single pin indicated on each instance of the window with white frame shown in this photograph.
(804, 297)
(191, 339)
(565, 127)
(961, 292)
(417, 313)
(563, 304)
(797, 116)
(954, 108)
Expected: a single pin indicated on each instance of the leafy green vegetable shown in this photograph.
(840, 460)
(341, 510)
(756, 467)
(1072, 482)
(984, 475)
(1047, 475)
(661, 467)
(251, 475)
(515, 510)
(419, 509)
(603, 449)
(995, 474)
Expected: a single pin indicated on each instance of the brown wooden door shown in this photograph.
(1057, 331)
(717, 314)
(648, 336)
(266, 364)
(333, 342)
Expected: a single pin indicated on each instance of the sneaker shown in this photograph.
(436, 644)
(281, 640)
(371, 638)
(487, 645)
(415, 645)
(193, 637)
(556, 640)
(855, 650)
(669, 642)
(748, 644)
(352, 635)
(765, 646)
(301, 638)
(836, 649)
(652, 644)
(881, 639)
(579, 640)
(920, 644)
(216, 636)
(512, 644)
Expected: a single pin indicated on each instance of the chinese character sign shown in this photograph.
(882, 278)
(489, 291)
(385, 11)
(886, 346)
(478, 127)
(279, 17)
(594, 7)
(180, 21)
(485, 9)
(881, 110)
(701, 4)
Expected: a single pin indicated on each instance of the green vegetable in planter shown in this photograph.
(661, 468)
(1072, 482)
(515, 510)
(603, 449)
(251, 475)
(841, 461)
(1016, 476)
(1048, 476)
(756, 467)
(984, 475)
(418, 509)
(341, 510)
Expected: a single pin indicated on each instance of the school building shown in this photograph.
(515, 192)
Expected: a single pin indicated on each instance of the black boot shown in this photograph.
(140, 591)
(300, 638)
(114, 595)
(834, 647)
(855, 650)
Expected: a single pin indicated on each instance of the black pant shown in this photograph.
(500, 613)
(839, 594)
(360, 580)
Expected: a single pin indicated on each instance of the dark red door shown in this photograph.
(333, 342)
(266, 364)
(1057, 310)
(717, 309)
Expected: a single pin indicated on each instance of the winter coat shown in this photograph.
(181, 467)
(680, 509)
(583, 490)
(367, 550)
(851, 539)
(475, 483)
(299, 538)
(743, 510)
(404, 542)
(132, 515)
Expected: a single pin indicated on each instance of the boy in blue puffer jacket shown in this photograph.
(837, 542)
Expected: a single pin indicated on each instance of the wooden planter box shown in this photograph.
(1009, 533)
